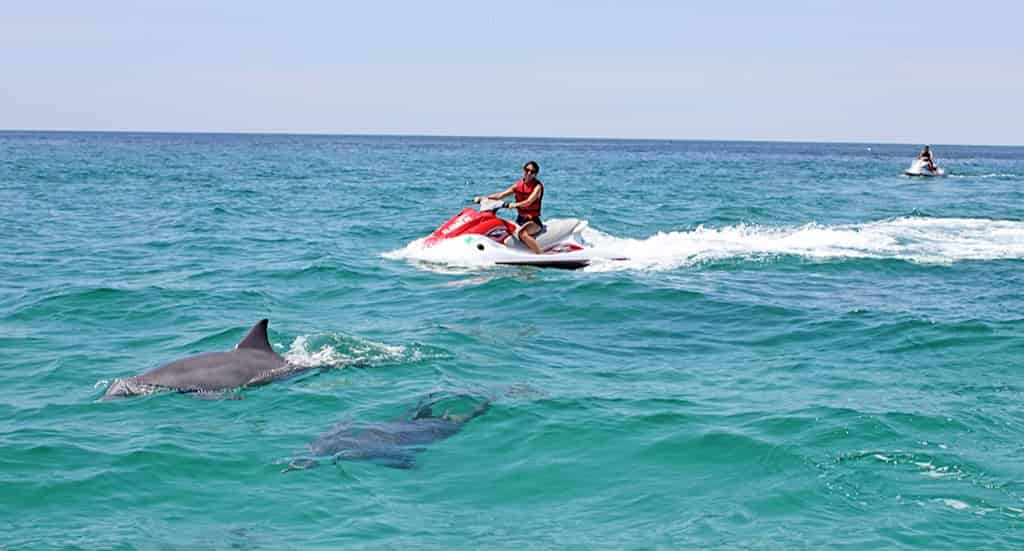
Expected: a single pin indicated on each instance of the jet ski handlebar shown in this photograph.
(490, 205)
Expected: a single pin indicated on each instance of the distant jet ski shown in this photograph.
(920, 168)
(493, 239)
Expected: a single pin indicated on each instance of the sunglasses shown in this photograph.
(529, 170)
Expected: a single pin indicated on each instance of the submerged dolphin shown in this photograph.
(251, 363)
(389, 443)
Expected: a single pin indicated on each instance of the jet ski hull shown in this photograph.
(492, 240)
(920, 168)
(568, 253)
(541, 263)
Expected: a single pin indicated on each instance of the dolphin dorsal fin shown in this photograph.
(257, 338)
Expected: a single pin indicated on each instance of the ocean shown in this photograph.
(805, 349)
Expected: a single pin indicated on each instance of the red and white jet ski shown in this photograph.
(493, 239)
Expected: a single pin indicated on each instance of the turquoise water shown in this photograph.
(805, 349)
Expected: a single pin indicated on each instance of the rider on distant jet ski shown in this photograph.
(529, 192)
(926, 156)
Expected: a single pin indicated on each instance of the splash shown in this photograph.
(453, 256)
(912, 239)
(334, 350)
(986, 176)
(954, 504)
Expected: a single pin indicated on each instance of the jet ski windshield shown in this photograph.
(491, 205)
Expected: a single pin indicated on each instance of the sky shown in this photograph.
(858, 71)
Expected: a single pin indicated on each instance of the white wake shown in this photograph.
(912, 239)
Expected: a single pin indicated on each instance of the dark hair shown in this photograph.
(536, 167)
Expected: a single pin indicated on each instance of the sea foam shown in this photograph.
(913, 239)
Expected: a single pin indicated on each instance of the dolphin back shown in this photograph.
(252, 362)
(395, 443)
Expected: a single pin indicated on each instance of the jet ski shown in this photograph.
(492, 239)
(920, 168)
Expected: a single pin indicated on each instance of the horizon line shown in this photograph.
(482, 136)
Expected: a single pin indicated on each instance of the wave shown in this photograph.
(985, 176)
(916, 239)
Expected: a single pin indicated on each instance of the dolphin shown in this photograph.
(251, 363)
(389, 443)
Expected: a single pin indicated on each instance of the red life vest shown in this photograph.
(523, 191)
